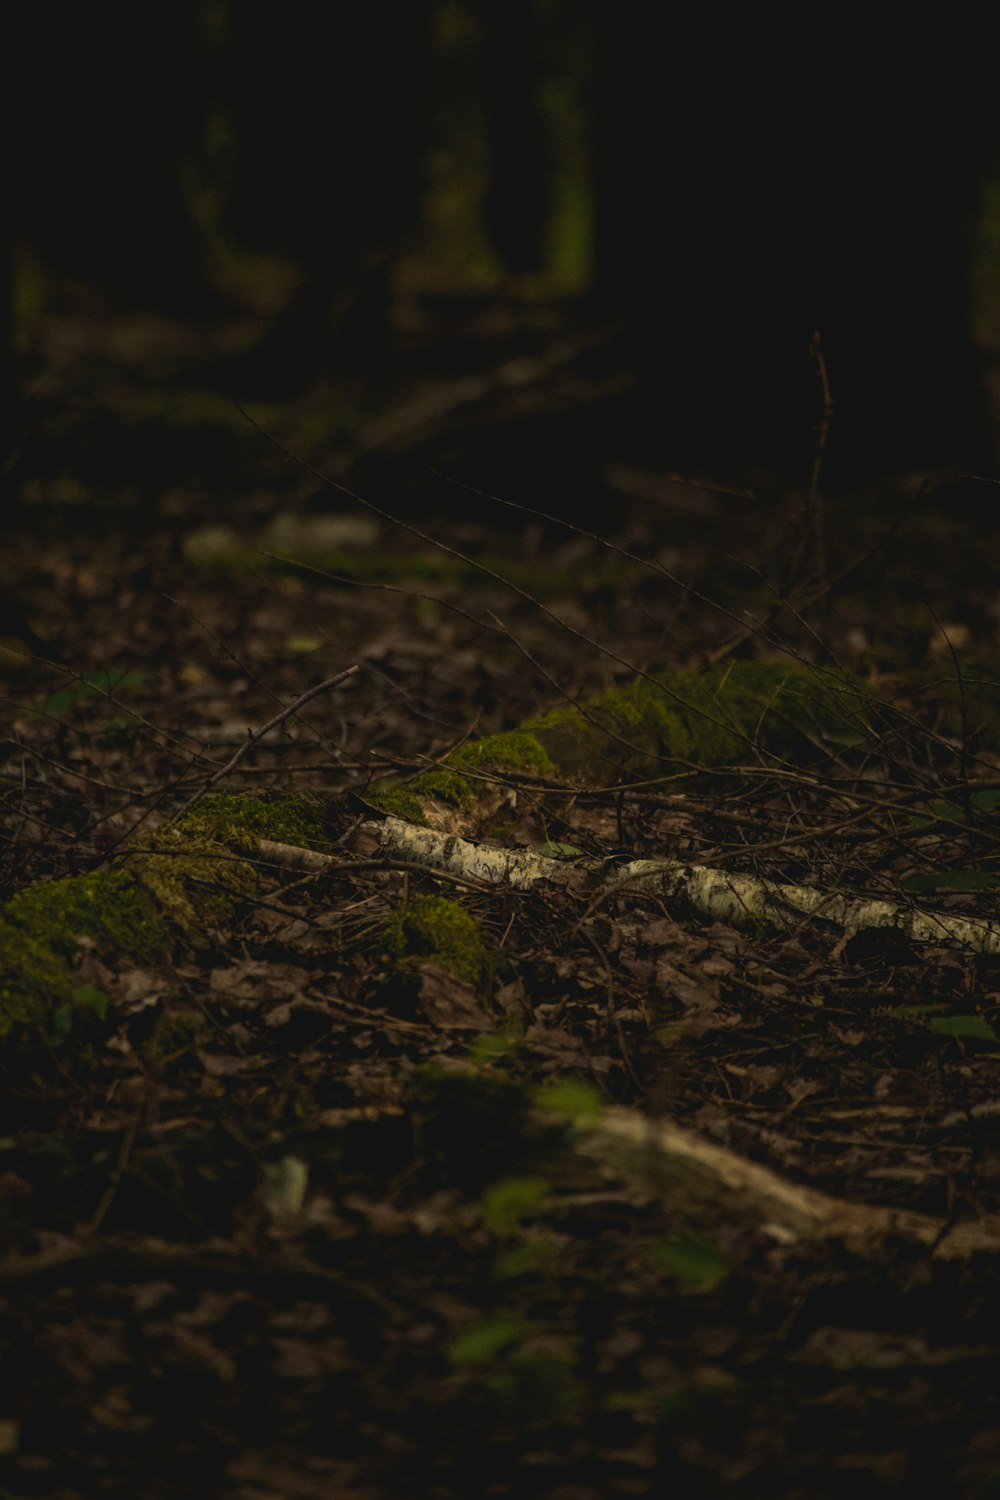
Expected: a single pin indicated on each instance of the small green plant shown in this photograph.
(507, 1203)
(531, 1377)
(693, 1265)
(973, 1028)
(570, 1097)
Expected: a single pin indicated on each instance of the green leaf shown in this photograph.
(484, 1340)
(493, 1044)
(553, 849)
(671, 1032)
(97, 685)
(955, 809)
(909, 1012)
(536, 1387)
(62, 1024)
(970, 1026)
(986, 800)
(89, 997)
(567, 1096)
(522, 1257)
(285, 1185)
(688, 1261)
(506, 1203)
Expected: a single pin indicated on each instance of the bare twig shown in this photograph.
(815, 520)
(253, 735)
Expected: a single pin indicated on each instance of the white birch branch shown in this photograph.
(741, 900)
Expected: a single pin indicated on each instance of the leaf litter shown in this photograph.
(278, 1223)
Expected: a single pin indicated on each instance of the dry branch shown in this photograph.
(702, 1180)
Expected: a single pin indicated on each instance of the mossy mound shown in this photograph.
(746, 712)
(241, 822)
(740, 713)
(969, 705)
(434, 930)
(463, 775)
(40, 929)
(180, 881)
(197, 867)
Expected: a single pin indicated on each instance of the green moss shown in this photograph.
(191, 875)
(194, 866)
(34, 979)
(514, 750)
(434, 930)
(447, 786)
(175, 1033)
(106, 906)
(357, 548)
(39, 930)
(241, 821)
(197, 880)
(968, 707)
(729, 714)
(397, 801)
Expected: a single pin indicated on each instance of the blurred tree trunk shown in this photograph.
(516, 203)
(329, 127)
(8, 376)
(759, 178)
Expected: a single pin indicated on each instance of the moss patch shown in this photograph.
(356, 547)
(196, 879)
(397, 801)
(736, 713)
(40, 928)
(728, 715)
(241, 821)
(434, 930)
(515, 750)
(187, 877)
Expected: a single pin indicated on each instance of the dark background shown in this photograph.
(395, 196)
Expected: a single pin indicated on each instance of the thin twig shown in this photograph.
(253, 735)
(815, 519)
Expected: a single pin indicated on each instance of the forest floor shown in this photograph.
(278, 1224)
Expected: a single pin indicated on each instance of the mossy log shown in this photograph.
(775, 713)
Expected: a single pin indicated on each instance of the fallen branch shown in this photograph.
(741, 900)
(702, 1180)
